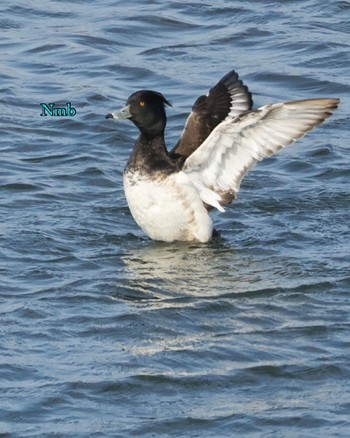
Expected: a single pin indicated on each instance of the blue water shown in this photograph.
(105, 333)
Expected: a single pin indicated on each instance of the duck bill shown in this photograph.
(124, 113)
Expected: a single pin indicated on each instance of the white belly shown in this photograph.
(167, 208)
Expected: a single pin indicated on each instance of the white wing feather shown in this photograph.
(237, 144)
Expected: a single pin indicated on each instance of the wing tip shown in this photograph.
(331, 103)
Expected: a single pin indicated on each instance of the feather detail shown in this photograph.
(237, 144)
(228, 98)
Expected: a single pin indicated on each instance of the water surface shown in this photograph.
(106, 333)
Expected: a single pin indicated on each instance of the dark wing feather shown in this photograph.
(228, 98)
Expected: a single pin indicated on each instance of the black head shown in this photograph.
(146, 109)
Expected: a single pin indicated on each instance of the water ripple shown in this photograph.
(105, 333)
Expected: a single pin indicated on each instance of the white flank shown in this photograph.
(167, 208)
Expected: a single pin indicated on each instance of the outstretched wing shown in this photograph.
(218, 166)
(229, 98)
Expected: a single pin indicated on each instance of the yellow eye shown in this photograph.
(142, 104)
